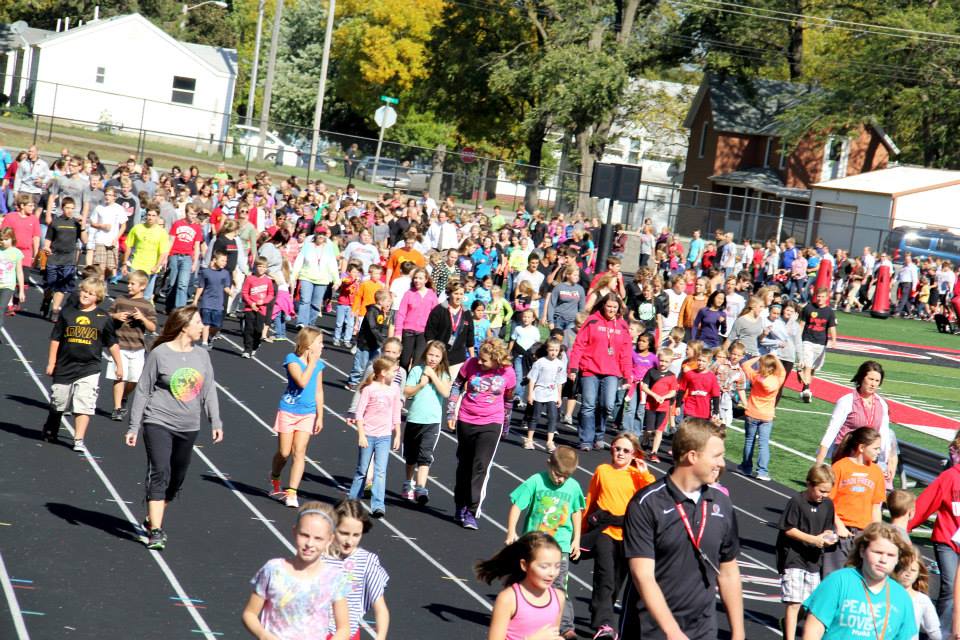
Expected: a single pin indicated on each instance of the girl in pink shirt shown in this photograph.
(378, 423)
(411, 318)
(529, 607)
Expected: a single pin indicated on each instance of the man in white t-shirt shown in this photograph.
(106, 221)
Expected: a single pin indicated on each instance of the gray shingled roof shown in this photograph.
(764, 180)
(10, 35)
(751, 106)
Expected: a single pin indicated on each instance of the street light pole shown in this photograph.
(268, 84)
(185, 9)
(321, 91)
(252, 94)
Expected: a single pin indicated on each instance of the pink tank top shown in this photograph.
(861, 416)
(530, 618)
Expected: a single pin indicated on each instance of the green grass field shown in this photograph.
(800, 426)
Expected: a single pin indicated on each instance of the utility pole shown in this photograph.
(252, 94)
(268, 85)
(321, 91)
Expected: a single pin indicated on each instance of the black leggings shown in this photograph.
(788, 367)
(476, 446)
(609, 571)
(412, 344)
(168, 458)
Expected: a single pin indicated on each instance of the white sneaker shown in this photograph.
(78, 446)
(245, 354)
(291, 499)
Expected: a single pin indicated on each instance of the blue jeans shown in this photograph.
(633, 411)
(178, 280)
(360, 361)
(378, 447)
(311, 299)
(756, 430)
(343, 327)
(521, 390)
(592, 389)
(151, 285)
(947, 561)
(279, 324)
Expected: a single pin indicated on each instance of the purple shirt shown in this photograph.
(706, 326)
(483, 393)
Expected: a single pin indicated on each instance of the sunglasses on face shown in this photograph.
(622, 450)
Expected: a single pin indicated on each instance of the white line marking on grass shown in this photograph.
(202, 625)
(15, 611)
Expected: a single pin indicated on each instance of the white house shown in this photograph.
(859, 210)
(125, 72)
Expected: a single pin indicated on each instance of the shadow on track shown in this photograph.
(117, 527)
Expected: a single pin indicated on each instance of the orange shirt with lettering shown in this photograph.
(611, 490)
(858, 487)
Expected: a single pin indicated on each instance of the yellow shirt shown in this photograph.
(148, 244)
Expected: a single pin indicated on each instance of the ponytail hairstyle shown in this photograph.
(381, 364)
(847, 448)
(176, 323)
(753, 303)
(444, 367)
(506, 564)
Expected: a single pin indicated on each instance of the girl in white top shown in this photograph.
(915, 578)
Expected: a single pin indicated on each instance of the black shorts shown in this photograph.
(655, 420)
(212, 317)
(61, 278)
(419, 441)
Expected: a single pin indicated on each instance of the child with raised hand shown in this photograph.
(766, 375)
(529, 608)
(303, 596)
(300, 414)
(365, 575)
(915, 578)
(378, 423)
(858, 493)
(805, 529)
(544, 384)
(860, 600)
(611, 488)
(555, 502)
(428, 386)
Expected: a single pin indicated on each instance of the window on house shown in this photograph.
(183, 90)
(101, 72)
(695, 195)
(703, 140)
(635, 152)
(767, 152)
(783, 155)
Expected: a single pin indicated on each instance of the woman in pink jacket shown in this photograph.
(601, 356)
(411, 318)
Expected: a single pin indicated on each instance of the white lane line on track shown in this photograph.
(202, 626)
(15, 611)
(400, 535)
(447, 490)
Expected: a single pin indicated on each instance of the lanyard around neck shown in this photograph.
(886, 609)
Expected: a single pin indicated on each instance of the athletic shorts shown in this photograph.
(212, 318)
(78, 397)
(419, 441)
(796, 585)
(655, 420)
(105, 256)
(287, 422)
(61, 277)
(813, 355)
(132, 365)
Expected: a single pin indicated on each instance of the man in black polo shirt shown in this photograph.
(681, 540)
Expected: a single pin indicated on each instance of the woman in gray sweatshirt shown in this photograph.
(748, 328)
(175, 390)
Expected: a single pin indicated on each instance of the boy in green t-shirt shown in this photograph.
(554, 503)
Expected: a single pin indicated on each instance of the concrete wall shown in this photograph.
(849, 220)
(73, 60)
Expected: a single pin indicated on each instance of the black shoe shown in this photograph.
(49, 436)
(157, 540)
(376, 515)
(117, 415)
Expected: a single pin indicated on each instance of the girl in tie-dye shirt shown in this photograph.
(299, 598)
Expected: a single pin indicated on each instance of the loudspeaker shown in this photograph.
(627, 187)
(602, 184)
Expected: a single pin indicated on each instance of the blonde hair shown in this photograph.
(94, 285)
(496, 350)
(305, 338)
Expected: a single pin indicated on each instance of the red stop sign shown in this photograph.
(468, 155)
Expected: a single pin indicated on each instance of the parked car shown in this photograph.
(275, 150)
(920, 243)
(390, 173)
(327, 152)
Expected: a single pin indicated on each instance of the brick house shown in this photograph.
(738, 176)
